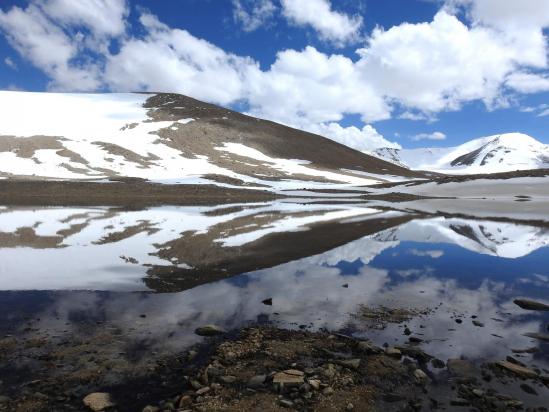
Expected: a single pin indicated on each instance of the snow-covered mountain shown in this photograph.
(492, 154)
(168, 138)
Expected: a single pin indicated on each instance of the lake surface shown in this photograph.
(147, 278)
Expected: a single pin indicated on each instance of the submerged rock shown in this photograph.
(531, 304)
(209, 330)
(517, 369)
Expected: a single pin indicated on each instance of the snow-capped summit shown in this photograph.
(492, 154)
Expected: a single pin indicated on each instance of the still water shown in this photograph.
(134, 284)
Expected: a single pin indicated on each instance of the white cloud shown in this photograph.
(365, 140)
(417, 70)
(10, 63)
(254, 14)
(102, 17)
(172, 60)
(528, 82)
(429, 136)
(331, 25)
(544, 113)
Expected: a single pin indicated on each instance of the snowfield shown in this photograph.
(96, 136)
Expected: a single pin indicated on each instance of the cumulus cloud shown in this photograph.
(409, 71)
(528, 82)
(331, 25)
(252, 14)
(429, 136)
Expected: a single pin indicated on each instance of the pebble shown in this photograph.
(315, 384)
(286, 403)
(150, 408)
(185, 401)
(256, 381)
(98, 401)
(209, 330)
(350, 363)
(268, 302)
(327, 391)
(531, 304)
(477, 323)
(517, 369)
(227, 379)
(420, 375)
(288, 377)
(203, 391)
(394, 352)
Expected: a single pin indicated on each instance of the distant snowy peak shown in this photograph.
(492, 154)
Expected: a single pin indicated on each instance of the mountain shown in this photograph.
(169, 138)
(492, 154)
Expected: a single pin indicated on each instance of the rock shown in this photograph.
(327, 391)
(257, 381)
(414, 352)
(227, 379)
(420, 375)
(527, 350)
(528, 389)
(531, 304)
(393, 352)
(329, 371)
(437, 363)
(460, 367)
(286, 403)
(515, 361)
(350, 363)
(150, 408)
(459, 402)
(517, 369)
(185, 401)
(288, 377)
(477, 323)
(268, 302)
(315, 384)
(414, 339)
(459, 321)
(345, 285)
(369, 348)
(540, 336)
(203, 391)
(407, 332)
(350, 407)
(195, 384)
(98, 401)
(209, 330)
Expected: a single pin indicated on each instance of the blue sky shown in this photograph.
(366, 73)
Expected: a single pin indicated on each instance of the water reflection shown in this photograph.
(354, 256)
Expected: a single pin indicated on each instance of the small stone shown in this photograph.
(286, 403)
(256, 381)
(98, 401)
(517, 369)
(203, 391)
(528, 389)
(345, 285)
(407, 332)
(460, 367)
(437, 363)
(350, 363)
(327, 391)
(459, 402)
(531, 304)
(350, 407)
(150, 408)
(393, 352)
(459, 321)
(414, 339)
(195, 384)
(209, 330)
(268, 302)
(185, 401)
(215, 386)
(289, 377)
(478, 393)
(305, 388)
(315, 384)
(420, 375)
(477, 323)
(369, 347)
(227, 379)
(540, 336)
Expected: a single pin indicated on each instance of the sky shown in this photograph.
(367, 73)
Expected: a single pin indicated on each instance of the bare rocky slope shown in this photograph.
(170, 138)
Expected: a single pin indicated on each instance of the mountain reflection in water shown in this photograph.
(75, 269)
